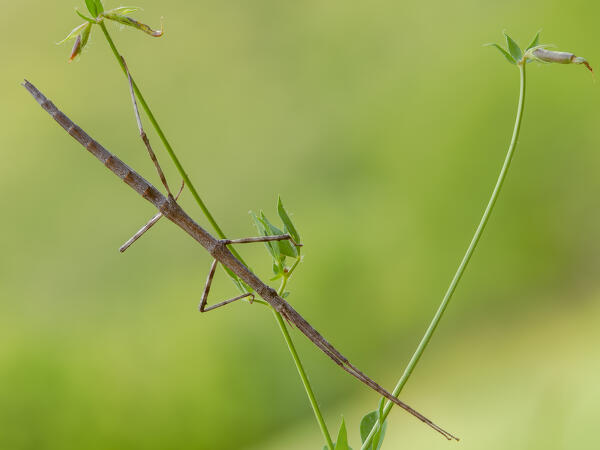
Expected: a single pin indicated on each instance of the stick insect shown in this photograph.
(218, 249)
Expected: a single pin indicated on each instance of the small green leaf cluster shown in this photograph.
(279, 250)
(513, 53)
(95, 7)
(367, 423)
(81, 33)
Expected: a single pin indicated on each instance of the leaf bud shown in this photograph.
(117, 15)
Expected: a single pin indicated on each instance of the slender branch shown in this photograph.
(217, 249)
(465, 261)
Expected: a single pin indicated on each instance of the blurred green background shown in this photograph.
(383, 126)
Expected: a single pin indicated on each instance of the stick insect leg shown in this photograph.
(211, 274)
(143, 133)
(148, 225)
(161, 175)
(250, 240)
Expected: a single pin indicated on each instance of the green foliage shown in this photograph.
(239, 284)
(74, 33)
(119, 15)
(96, 9)
(285, 247)
(92, 7)
(341, 442)
(124, 10)
(507, 55)
(279, 250)
(84, 17)
(535, 41)
(288, 225)
(366, 425)
(514, 50)
(512, 53)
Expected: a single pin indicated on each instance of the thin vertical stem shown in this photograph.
(465, 261)
(301, 372)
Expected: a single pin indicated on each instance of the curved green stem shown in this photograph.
(465, 261)
(219, 232)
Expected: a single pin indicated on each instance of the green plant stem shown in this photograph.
(209, 217)
(301, 372)
(465, 261)
(305, 381)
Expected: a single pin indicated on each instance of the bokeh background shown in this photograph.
(383, 125)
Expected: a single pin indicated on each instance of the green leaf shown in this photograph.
(123, 10)
(504, 52)
(514, 50)
(342, 439)
(126, 20)
(91, 6)
(275, 245)
(242, 287)
(85, 35)
(286, 294)
(99, 6)
(272, 228)
(276, 269)
(287, 222)
(285, 247)
(378, 437)
(288, 249)
(84, 17)
(535, 42)
(366, 424)
(74, 33)
(259, 225)
(262, 230)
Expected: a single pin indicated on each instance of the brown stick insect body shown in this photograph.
(217, 248)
